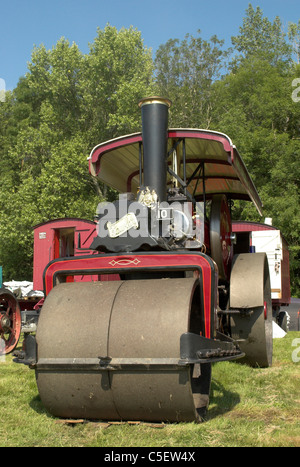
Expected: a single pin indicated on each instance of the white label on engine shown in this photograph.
(121, 226)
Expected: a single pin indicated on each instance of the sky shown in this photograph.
(28, 23)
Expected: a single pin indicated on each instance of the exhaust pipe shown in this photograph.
(155, 137)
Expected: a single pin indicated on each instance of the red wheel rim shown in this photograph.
(265, 310)
(10, 322)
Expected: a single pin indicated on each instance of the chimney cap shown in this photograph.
(155, 100)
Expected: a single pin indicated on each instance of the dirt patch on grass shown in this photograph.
(268, 415)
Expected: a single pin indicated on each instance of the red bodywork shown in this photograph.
(59, 238)
(142, 262)
(61, 251)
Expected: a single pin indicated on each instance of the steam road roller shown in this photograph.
(169, 298)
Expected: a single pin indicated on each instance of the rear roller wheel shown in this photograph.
(10, 322)
(135, 323)
(250, 292)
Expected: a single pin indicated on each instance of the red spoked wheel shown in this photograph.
(10, 322)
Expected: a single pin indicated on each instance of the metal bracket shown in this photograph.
(194, 349)
(241, 312)
(29, 356)
(198, 349)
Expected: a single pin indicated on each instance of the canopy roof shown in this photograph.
(198, 157)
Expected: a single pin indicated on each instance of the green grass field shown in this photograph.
(248, 407)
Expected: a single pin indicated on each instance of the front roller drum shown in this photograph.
(110, 350)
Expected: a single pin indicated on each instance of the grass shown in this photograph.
(248, 407)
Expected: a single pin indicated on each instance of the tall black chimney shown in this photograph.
(155, 137)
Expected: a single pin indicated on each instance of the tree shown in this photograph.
(64, 106)
(261, 38)
(254, 107)
(185, 72)
(54, 79)
(294, 37)
(118, 73)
